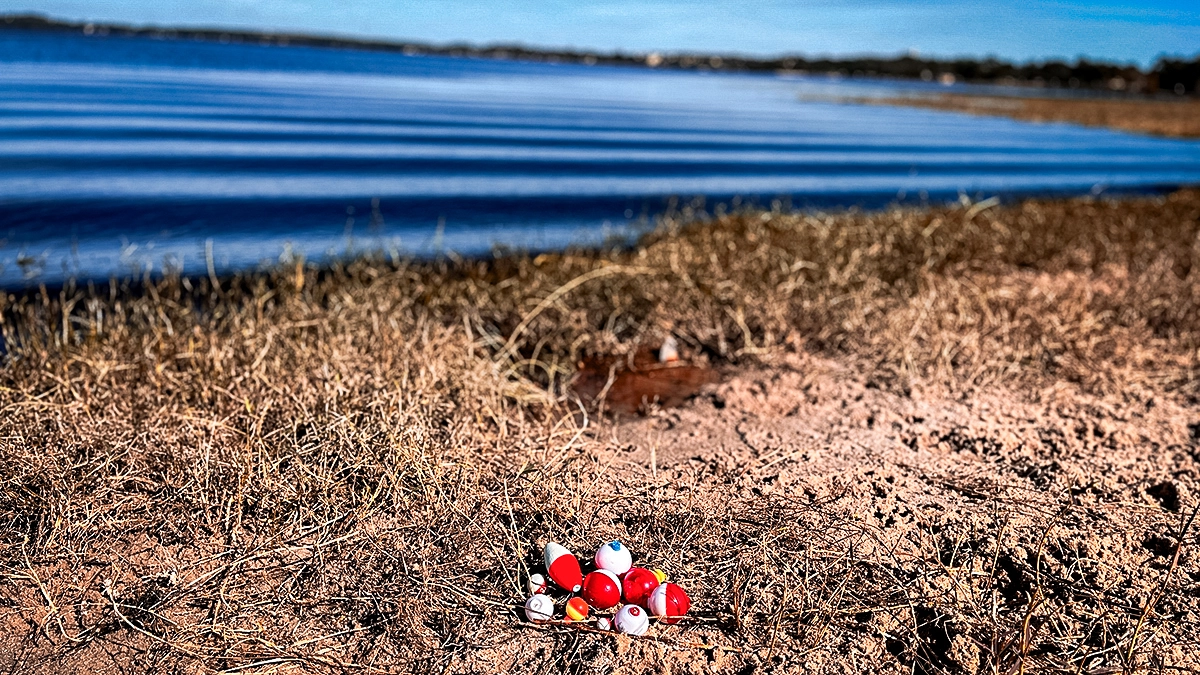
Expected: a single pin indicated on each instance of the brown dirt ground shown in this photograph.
(967, 485)
(949, 440)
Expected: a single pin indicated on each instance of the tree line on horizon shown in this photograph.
(1168, 75)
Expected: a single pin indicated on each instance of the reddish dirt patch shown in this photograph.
(640, 381)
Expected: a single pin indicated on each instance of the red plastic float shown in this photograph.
(637, 584)
(563, 567)
(602, 589)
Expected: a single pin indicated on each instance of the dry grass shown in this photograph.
(351, 469)
(1157, 117)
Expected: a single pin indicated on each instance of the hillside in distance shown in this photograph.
(1169, 75)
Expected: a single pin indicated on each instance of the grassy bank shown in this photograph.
(353, 469)
(1158, 117)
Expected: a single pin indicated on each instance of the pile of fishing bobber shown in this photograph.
(614, 580)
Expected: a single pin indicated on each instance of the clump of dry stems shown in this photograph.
(351, 469)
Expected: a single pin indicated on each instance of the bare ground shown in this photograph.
(959, 440)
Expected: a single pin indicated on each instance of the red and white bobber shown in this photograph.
(601, 589)
(637, 585)
(631, 620)
(563, 567)
(537, 584)
(614, 557)
(669, 602)
(539, 608)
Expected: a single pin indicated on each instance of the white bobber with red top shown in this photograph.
(537, 584)
(669, 602)
(614, 557)
(631, 620)
(563, 567)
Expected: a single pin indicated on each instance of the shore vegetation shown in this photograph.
(951, 439)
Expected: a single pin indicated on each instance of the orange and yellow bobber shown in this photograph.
(577, 609)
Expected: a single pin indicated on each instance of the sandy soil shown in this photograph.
(1032, 491)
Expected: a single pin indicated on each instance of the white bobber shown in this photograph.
(539, 608)
(604, 623)
(632, 620)
(537, 584)
(614, 557)
(669, 351)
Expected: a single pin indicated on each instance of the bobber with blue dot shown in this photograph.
(601, 589)
(637, 585)
(614, 557)
(631, 620)
(577, 609)
(669, 602)
(539, 608)
(563, 567)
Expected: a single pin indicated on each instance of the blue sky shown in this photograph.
(1011, 29)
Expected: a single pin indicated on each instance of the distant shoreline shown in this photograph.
(1168, 76)
(1156, 117)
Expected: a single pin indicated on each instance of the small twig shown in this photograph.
(51, 607)
(212, 270)
(1148, 608)
(581, 627)
(1035, 598)
(108, 594)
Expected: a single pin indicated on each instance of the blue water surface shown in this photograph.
(127, 155)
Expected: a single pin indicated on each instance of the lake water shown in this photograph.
(127, 155)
